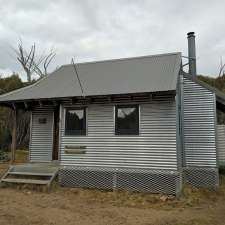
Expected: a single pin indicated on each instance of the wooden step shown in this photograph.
(47, 171)
(33, 169)
(24, 181)
(31, 174)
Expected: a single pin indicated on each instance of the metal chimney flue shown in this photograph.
(191, 53)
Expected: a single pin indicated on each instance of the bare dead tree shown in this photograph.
(26, 60)
(31, 63)
(45, 61)
(222, 67)
(219, 81)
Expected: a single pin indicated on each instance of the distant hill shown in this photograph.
(218, 82)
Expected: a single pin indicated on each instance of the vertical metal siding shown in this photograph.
(199, 125)
(221, 143)
(153, 148)
(41, 135)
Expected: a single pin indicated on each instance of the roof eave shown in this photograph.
(10, 102)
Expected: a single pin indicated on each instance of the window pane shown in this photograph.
(127, 121)
(75, 121)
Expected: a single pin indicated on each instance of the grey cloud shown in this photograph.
(96, 29)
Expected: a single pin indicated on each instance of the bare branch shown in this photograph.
(222, 66)
(38, 71)
(48, 60)
(30, 64)
(32, 54)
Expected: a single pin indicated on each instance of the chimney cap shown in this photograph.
(191, 34)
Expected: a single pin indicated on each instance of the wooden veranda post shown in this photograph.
(13, 144)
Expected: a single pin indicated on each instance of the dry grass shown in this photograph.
(191, 197)
(83, 206)
(22, 156)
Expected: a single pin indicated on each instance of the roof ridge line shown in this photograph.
(126, 58)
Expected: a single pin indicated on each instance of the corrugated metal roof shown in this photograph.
(131, 75)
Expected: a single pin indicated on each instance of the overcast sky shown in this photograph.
(92, 30)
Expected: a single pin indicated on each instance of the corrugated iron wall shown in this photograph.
(199, 118)
(154, 148)
(41, 135)
(221, 143)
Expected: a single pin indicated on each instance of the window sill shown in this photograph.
(135, 135)
(75, 135)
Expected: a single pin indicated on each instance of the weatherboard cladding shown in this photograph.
(41, 141)
(199, 118)
(153, 148)
(132, 75)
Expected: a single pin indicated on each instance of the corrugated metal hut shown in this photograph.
(140, 124)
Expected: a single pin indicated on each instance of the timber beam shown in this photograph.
(14, 128)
